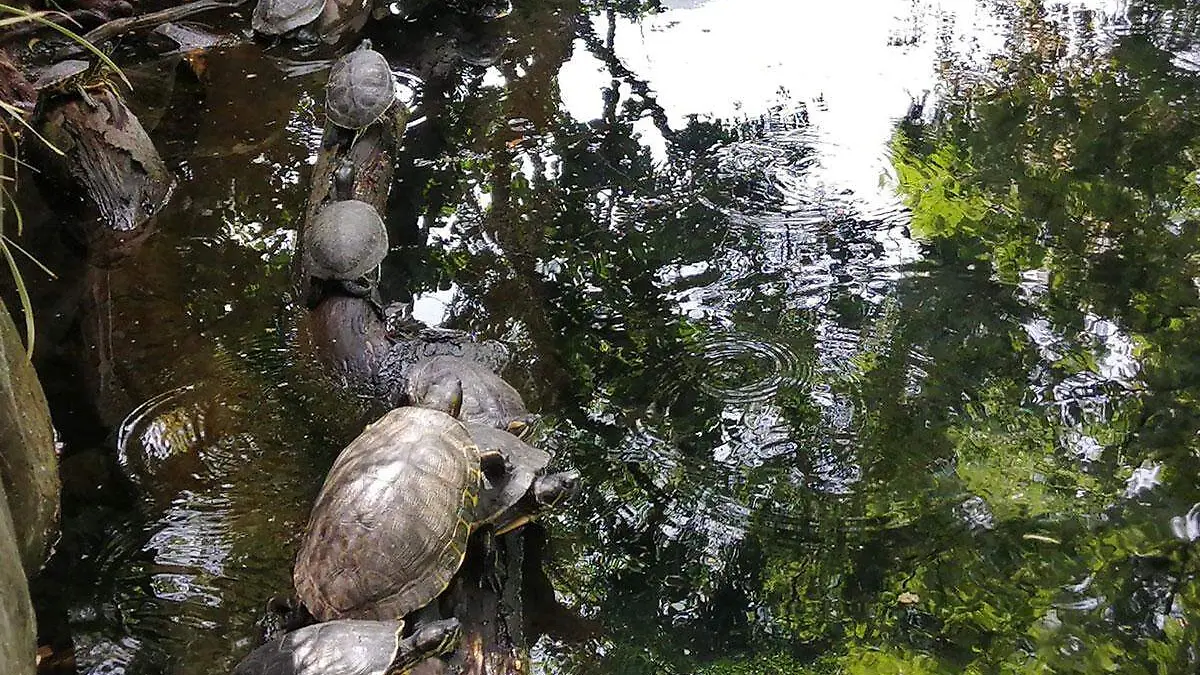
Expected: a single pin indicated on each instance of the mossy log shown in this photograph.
(18, 633)
(28, 461)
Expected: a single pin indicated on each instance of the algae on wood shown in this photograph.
(18, 637)
(28, 463)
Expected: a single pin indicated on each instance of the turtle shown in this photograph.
(486, 398)
(390, 526)
(359, 92)
(513, 496)
(345, 243)
(351, 647)
(280, 17)
(72, 76)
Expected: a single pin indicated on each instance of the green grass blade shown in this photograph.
(23, 293)
(9, 242)
(38, 18)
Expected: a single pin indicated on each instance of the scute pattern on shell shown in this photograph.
(487, 398)
(390, 526)
(345, 240)
(276, 17)
(334, 648)
(360, 89)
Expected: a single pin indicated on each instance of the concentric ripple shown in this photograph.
(742, 369)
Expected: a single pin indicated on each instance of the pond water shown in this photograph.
(871, 327)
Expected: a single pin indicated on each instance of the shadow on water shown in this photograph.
(858, 381)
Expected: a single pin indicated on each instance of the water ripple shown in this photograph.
(742, 369)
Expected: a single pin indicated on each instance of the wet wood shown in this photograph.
(132, 24)
(348, 337)
(109, 165)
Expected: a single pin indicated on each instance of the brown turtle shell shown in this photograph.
(360, 88)
(486, 397)
(390, 525)
(276, 17)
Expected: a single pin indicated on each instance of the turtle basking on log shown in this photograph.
(351, 648)
(515, 493)
(486, 397)
(344, 245)
(390, 526)
(360, 91)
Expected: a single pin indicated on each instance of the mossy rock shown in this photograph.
(18, 636)
(28, 463)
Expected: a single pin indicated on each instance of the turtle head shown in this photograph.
(446, 396)
(431, 639)
(555, 489)
(522, 426)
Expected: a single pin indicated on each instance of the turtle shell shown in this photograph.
(276, 17)
(390, 525)
(334, 648)
(60, 73)
(486, 398)
(525, 461)
(360, 89)
(345, 240)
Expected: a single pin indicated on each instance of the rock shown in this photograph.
(18, 635)
(28, 462)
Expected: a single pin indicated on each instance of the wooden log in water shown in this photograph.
(18, 646)
(28, 461)
(108, 165)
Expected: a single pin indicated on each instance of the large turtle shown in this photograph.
(486, 398)
(390, 525)
(515, 494)
(351, 648)
(359, 92)
(345, 242)
(278, 17)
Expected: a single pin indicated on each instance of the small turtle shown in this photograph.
(389, 528)
(280, 17)
(351, 648)
(486, 398)
(515, 494)
(359, 92)
(62, 76)
(75, 76)
(345, 243)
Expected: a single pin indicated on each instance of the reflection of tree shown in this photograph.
(969, 512)
(1078, 168)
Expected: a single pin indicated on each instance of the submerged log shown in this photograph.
(28, 461)
(109, 166)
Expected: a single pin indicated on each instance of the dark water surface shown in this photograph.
(855, 384)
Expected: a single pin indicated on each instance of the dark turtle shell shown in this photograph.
(276, 17)
(525, 462)
(486, 398)
(360, 88)
(349, 647)
(345, 240)
(390, 526)
(60, 73)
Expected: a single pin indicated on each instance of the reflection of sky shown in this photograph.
(739, 58)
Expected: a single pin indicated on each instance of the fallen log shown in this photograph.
(108, 166)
